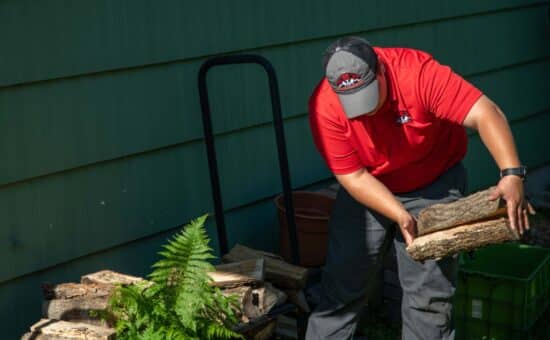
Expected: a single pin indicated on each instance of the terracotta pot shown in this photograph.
(311, 212)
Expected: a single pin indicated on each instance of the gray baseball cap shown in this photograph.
(350, 67)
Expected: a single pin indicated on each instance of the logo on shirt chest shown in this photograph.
(403, 118)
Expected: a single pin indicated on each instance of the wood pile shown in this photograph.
(469, 223)
(260, 280)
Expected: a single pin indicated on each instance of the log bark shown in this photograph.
(244, 295)
(278, 272)
(466, 237)
(263, 299)
(46, 329)
(110, 277)
(76, 301)
(256, 302)
(74, 290)
(77, 309)
(467, 210)
(238, 273)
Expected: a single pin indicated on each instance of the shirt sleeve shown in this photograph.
(446, 94)
(331, 139)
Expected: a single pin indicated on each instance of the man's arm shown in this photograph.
(380, 199)
(487, 118)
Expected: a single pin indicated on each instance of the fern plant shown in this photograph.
(179, 302)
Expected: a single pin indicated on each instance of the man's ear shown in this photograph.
(381, 67)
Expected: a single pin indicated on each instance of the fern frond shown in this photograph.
(180, 303)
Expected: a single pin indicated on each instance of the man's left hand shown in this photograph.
(510, 188)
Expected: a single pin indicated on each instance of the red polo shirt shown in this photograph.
(415, 136)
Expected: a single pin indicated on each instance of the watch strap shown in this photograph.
(520, 171)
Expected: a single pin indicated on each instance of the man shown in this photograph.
(389, 123)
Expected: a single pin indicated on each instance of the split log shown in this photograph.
(466, 237)
(46, 329)
(238, 273)
(110, 277)
(244, 296)
(76, 302)
(256, 302)
(278, 272)
(264, 299)
(77, 309)
(74, 290)
(474, 208)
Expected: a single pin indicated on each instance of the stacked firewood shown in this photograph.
(466, 224)
(70, 310)
(261, 281)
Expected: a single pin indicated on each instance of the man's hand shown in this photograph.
(510, 188)
(373, 194)
(407, 224)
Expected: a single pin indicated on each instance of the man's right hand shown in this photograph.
(407, 225)
(373, 194)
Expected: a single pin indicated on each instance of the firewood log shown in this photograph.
(238, 273)
(466, 237)
(46, 329)
(110, 277)
(278, 272)
(76, 302)
(467, 210)
(244, 295)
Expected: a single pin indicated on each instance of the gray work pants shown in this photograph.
(358, 242)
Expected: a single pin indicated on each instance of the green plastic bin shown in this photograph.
(502, 292)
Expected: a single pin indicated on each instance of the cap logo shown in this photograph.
(348, 81)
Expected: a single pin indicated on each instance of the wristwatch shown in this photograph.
(520, 171)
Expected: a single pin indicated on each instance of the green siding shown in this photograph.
(73, 122)
(133, 33)
(100, 138)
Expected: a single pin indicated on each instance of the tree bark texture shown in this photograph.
(75, 301)
(46, 329)
(462, 238)
(110, 277)
(467, 210)
(278, 272)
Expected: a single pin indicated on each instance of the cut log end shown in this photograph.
(278, 272)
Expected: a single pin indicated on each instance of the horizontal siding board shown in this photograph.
(96, 208)
(68, 215)
(519, 90)
(61, 125)
(88, 37)
(529, 135)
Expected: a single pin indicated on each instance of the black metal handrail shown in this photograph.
(279, 134)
